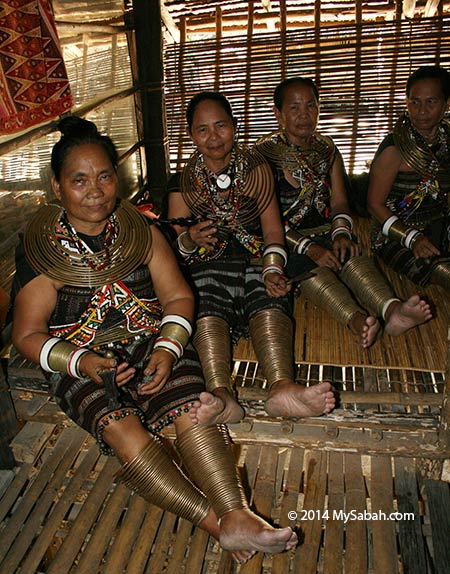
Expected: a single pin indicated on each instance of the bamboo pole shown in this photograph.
(444, 424)
(358, 397)
(218, 45)
(49, 127)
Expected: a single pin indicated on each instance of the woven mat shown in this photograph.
(320, 339)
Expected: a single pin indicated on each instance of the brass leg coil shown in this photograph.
(207, 455)
(213, 344)
(153, 475)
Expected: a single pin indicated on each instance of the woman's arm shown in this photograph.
(382, 176)
(276, 284)
(198, 235)
(171, 288)
(176, 298)
(383, 172)
(342, 242)
(33, 307)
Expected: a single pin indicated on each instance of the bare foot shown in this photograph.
(211, 525)
(404, 315)
(367, 327)
(244, 529)
(288, 399)
(212, 409)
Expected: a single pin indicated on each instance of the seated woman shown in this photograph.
(230, 191)
(410, 183)
(94, 276)
(309, 175)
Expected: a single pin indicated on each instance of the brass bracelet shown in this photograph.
(398, 232)
(184, 250)
(59, 355)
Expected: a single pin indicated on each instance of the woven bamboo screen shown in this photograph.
(361, 70)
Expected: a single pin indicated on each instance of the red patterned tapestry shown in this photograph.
(33, 79)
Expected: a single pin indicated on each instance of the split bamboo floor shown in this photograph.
(63, 514)
(320, 339)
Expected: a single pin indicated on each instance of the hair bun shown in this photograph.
(73, 126)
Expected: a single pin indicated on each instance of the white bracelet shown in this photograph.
(341, 231)
(171, 345)
(45, 351)
(388, 224)
(411, 235)
(182, 248)
(179, 320)
(303, 245)
(272, 269)
(345, 216)
(73, 362)
(386, 305)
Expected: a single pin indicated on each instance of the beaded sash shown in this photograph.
(141, 318)
(309, 167)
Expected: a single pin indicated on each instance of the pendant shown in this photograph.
(223, 181)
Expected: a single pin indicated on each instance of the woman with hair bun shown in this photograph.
(101, 305)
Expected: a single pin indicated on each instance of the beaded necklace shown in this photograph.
(309, 167)
(67, 235)
(228, 207)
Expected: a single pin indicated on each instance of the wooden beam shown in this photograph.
(148, 72)
(82, 28)
(444, 425)
(169, 23)
(49, 127)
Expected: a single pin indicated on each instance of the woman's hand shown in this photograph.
(323, 257)
(202, 234)
(276, 285)
(157, 372)
(422, 247)
(343, 245)
(124, 374)
(91, 365)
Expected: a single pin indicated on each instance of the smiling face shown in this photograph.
(426, 106)
(212, 132)
(87, 188)
(298, 114)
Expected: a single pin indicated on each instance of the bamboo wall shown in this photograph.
(361, 69)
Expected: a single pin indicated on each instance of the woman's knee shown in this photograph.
(125, 435)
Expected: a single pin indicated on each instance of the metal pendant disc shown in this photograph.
(223, 181)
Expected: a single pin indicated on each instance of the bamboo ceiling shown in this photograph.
(360, 53)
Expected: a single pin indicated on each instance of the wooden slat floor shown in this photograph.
(63, 514)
